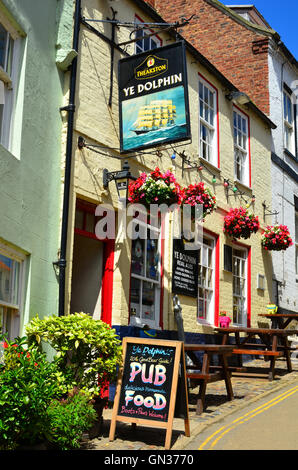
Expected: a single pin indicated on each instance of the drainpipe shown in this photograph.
(68, 161)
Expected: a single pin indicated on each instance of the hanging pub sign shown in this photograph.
(151, 388)
(185, 269)
(153, 98)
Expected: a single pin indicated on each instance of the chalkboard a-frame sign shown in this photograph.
(147, 386)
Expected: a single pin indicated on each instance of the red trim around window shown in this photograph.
(84, 233)
(248, 248)
(249, 288)
(249, 139)
(216, 274)
(156, 35)
(217, 116)
(216, 299)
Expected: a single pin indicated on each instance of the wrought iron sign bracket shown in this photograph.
(83, 144)
(163, 27)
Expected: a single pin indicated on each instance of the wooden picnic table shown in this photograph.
(274, 344)
(280, 320)
(202, 371)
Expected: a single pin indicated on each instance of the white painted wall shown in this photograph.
(283, 186)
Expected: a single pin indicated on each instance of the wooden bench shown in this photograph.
(203, 372)
(255, 352)
(274, 344)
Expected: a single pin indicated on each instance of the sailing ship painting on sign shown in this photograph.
(155, 116)
(154, 119)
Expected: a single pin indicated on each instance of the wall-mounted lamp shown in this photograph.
(122, 179)
(238, 97)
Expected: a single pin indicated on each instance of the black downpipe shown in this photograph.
(68, 162)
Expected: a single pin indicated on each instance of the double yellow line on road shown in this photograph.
(220, 433)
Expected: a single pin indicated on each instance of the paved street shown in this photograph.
(250, 393)
(267, 424)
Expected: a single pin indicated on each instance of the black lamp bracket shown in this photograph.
(109, 176)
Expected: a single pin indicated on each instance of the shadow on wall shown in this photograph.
(268, 266)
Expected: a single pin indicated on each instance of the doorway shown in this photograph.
(86, 283)
(92, 267)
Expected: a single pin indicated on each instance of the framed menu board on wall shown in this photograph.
(147, 385)
(185, 270)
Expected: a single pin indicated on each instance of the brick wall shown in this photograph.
(239, 53)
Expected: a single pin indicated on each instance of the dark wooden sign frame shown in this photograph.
(178, 376)
(179, 253)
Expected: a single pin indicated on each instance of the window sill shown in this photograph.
(9, 305)
(5, 150)
(243, 187)
(289, 154)
(4, 77)
(136, 321)
(209, 165)
(203, 322)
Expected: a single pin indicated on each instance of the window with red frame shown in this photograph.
(208, 128)
(240, 286)
(241, 147)
(206, 281)
(85, 219)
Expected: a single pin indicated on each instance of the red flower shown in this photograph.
(239, 224)
(196, 194)
(276, 237)
(148, 190)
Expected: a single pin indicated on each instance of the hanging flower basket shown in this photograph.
(276, 237)
(197, 194)
(238, 223)
(155, 188)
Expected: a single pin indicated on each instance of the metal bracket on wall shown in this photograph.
(265, 214)
(162, 27)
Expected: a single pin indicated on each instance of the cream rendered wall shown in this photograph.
(98, 124)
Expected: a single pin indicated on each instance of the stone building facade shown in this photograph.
(244, 47)
(100, 278)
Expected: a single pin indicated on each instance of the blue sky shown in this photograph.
(282, 15)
